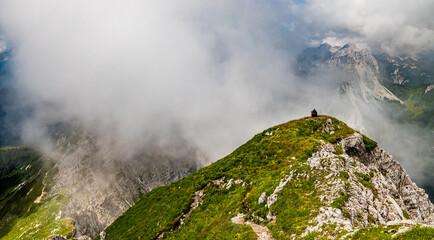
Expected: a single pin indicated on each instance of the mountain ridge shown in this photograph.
(81, 186)
(308, 178)
(356, 70)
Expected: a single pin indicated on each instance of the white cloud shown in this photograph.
(211, 72)
(395, 27)
(135, 69)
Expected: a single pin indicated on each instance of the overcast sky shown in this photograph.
(214, 72)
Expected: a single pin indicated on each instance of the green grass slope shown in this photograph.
(260, 163)
(418, 106)
(234, 184)
(24, 212)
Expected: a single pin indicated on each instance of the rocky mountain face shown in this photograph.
(309, 178)
(368, 98)
(407, 70)
(376, 189)
(22, 174)
(355, 71)
(85, 184)
(101, 184)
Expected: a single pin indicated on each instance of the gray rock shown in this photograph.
(355, 147)
(102, 181)
(262, 198)
(102, 235)
(57, 237)
(377, 187)
(83, 238)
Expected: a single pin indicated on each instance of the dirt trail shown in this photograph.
(262, 232)
(38, 199)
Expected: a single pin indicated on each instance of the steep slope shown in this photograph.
(417, 113)
(82, 186)
(370, 102)
(418, 104)
(306, 178)
(25, 212)
(354, 70)
(407, 70)
(102, 182)
(353, 79)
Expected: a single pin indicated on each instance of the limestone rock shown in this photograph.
(377, 189)
(57, 237)
(101, 182)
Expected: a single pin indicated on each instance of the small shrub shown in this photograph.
(369, 143)
(346, 214)
(342, 159)
(372, 173)
(344, 175)
(371, 219)
(339, 150)
(365, 183)
(364, 179)
(405, 214)
(340, 201)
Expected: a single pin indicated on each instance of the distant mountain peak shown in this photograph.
(408, 70)
(350, 46)
(357, 70)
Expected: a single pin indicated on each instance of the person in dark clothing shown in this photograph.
(314, 113)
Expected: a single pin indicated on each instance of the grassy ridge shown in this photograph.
(258, 166)
(260, 163)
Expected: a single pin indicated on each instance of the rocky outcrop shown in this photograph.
(355, 147)
(356, 76)
(365, 187)
(273, 197)
(407, 70)
(429, 88)
(100, 183)
(359, 72)
(350, 55)
(57, 237)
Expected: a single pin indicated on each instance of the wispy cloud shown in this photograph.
(213, 72)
